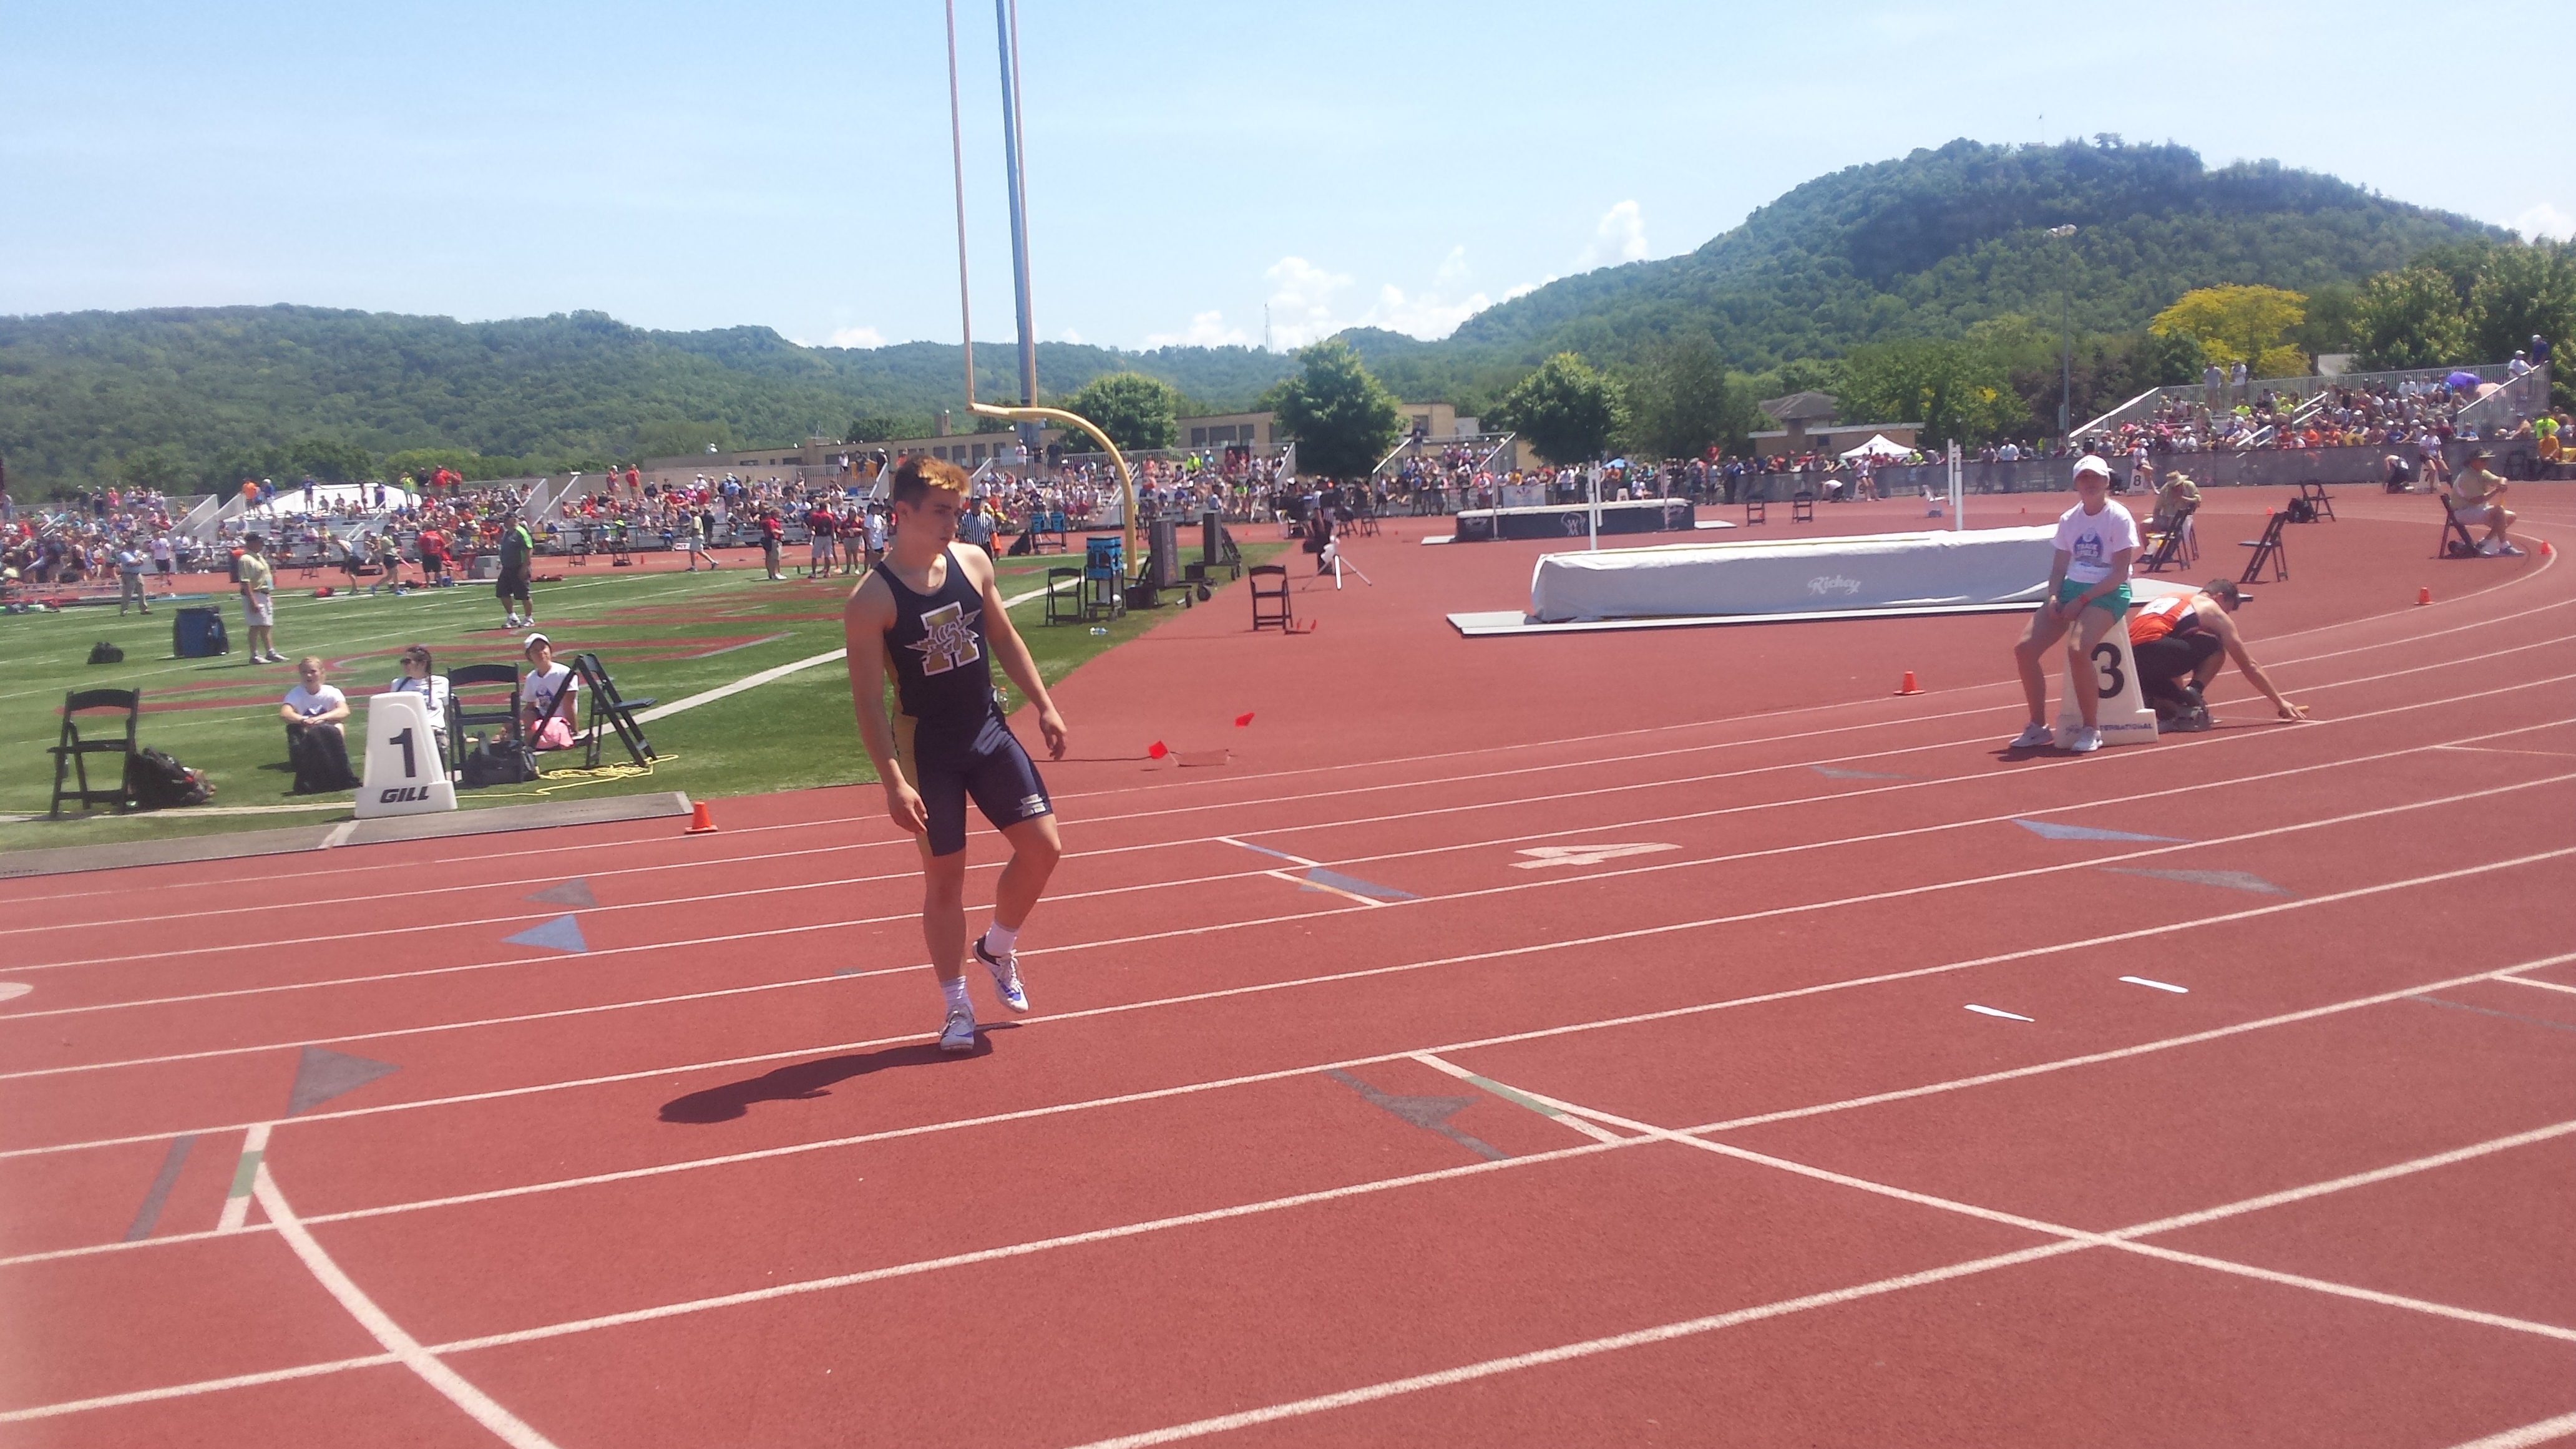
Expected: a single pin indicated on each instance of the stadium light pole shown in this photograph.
(1006, 24)
(2066, 334)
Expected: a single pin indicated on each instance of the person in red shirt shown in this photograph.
(820, 525)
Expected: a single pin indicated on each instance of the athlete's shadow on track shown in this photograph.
(805, 1081)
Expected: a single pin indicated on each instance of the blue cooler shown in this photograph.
(199, 634)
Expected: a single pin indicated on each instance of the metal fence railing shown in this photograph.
(2143, 407)
(2251, 468)
(2515, 402)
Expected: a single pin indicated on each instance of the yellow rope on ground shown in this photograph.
(575, 779)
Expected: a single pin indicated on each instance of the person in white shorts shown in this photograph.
(2088, 592)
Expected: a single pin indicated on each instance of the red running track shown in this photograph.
(1562, 1040)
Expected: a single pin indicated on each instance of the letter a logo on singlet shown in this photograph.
(948, 638)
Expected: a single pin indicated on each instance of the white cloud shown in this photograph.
(1072, 336)
(1301, 302)
(856, 337)
(1306, 302)
(2545, 220)
(1206, 329)
(1620, 235)
(1525, 288)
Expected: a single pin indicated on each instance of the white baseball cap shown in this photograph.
(2091, 464)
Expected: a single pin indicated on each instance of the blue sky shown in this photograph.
(786, 164)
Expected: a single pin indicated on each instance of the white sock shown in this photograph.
(998, 940)
(955, 991)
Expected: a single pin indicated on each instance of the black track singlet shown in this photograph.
(943, 675)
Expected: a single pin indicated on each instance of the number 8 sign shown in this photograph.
(405, 774)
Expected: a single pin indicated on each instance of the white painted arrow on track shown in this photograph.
(1547, 855)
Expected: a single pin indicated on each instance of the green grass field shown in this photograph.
(666, 636)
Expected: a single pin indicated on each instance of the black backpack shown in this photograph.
(157, 782)
(103, 652)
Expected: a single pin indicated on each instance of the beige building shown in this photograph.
(1807, 425)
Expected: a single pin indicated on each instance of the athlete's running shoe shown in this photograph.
(959, 1034)
(2506, 550)
(1006, 976)
(2033, 737)
(2086, 741)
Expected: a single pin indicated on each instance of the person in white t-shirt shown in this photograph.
(2088, 590)
(546, 697)
(421, 678)
(313, 712)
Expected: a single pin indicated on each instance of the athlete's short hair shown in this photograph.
(920, 473)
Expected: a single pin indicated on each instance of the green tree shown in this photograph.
(1568, 411)
(1955, 390)
(1682, 402)
(2520, 292)
(1342, 417)
(877, 427)
(328, 461)
(670, 437)
(2410, 318)
(161, 466)
(1136, 411)
(2239, 324)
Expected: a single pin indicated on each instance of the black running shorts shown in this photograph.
(994, 769)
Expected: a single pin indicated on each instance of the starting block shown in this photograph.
(2122, 711)
(405, 774)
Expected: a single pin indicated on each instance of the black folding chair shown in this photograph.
(461, 720)
(612, 709)
(2315, 495)
(2267, 549)
(1802, 508)
(1756, 510)
(1271, 608)
(2457, 541)
(71, 752)
(2173, 545)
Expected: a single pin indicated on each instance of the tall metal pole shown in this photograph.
(2066, 324)
(1006, 23)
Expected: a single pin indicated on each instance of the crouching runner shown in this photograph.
(929, 617)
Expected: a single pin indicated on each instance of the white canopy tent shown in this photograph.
(1878, 447)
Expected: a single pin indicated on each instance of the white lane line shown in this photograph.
(772, 676)
(380, 977)
(2529, 1434)
(1563, 1353)
(1430, 1058)
(2543, 985)
(1664, 1333)
(1533, 1104)
(2158, 985)
(770, 1292)
(1937, 828)
(1800, 908)
(560, 852)
(1993, 1011)
(506, 1426)
(245, 1179)
(2036, 1069)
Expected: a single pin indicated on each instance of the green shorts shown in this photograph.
(2117, 601)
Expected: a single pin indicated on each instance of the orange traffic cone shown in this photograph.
(2546, 549)
(2424, 595)
(699, 821)
(1909, 686)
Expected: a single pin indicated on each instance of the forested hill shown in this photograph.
(183, 396)
(1921, 246)
(1926, 244)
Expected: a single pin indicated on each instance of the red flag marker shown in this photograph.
(1242, 720)
(1155, 751)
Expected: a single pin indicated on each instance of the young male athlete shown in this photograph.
(929, 617)
(2088, 592)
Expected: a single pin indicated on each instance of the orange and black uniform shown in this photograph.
(2170, 643)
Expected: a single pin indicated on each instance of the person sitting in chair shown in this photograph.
(546, 698)
(418, 677)
(2477, 496)
(313, 712)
